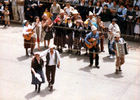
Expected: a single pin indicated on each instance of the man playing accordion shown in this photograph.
(120, 57)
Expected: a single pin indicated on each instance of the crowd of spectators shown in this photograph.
(127, 12)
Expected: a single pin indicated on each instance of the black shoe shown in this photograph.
(76, 52)
(35, 87)
(79, 53)
(68, 51)
(51, 88)
(38, 90)
(85, 54)
(120, 69)
(117, 71)
(27, 54)
(97, 66)
(90, 65)
(32, 53)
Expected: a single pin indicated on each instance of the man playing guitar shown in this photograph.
(93, 46)
(28, 34)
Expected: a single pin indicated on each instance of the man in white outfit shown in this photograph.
(113, 29)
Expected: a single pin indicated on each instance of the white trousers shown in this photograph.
(15, 14)
(21, 12)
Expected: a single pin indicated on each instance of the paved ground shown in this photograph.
(75, 80)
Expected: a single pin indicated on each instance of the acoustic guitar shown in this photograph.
(93, 41)
(28, 36)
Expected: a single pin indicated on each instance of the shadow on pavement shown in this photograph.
(106, 59)
(113, 75)
(86, 69)
(42, 93)
(22, 58)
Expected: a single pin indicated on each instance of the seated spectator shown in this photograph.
(130, 16)
(103, 3)
(47, 13)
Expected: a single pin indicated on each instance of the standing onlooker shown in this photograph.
(114, 9)
(110, 4)
(91, 18)
(36, 70)
(15, 10)
(6, 16)
(105, 16)
(47, 28)
(68, 9)
(21, 9)
(52, 60)
(89, 8)
(69, 34)
(137, 29)
(121, 17)
(98, 9)
(54, 10)
(37, 30)
(77, 36)
(47, 13)
(82, 10)
(130, 17)
(1, 10)
(137, 10)
(101, 27)
(59, 35)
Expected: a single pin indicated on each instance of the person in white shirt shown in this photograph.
(68, 8)
(91, 18)
(52, 60)
(27, 31)
(113, 29)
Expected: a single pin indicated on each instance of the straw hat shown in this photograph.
(93, 28)
(90, 13)
(74, 12)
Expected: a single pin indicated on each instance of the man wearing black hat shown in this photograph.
(130, 16)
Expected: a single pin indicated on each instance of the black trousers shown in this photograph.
(50, 73)
(96, 55)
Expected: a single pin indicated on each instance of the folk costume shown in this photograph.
(37, 65)
(59, 35)
(119, 60)
(52, 60)
(28, 43)
(94, 48)
(77, 36)
(69, 35)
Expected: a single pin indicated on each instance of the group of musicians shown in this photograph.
(40, 31)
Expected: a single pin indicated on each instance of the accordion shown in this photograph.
(121, 49)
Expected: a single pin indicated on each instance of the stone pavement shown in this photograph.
(74, 81)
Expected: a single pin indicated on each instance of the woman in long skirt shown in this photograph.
(69, 34)
(36, 71)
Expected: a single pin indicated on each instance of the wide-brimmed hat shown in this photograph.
(114, 20)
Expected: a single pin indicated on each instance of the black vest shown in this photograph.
(48, 58)
(97, 10)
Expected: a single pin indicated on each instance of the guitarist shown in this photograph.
(28, 43)
(94, 34)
